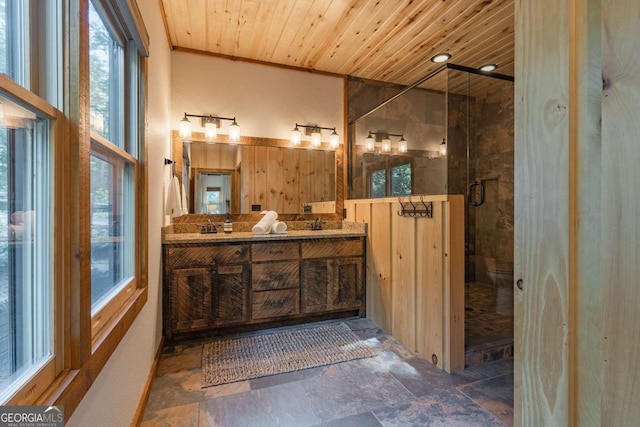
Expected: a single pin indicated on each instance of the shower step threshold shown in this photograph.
(489, 352)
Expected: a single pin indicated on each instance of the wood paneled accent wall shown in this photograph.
(415, 275)
(577, 213)
(284, 179)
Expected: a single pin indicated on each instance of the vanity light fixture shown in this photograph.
(316, 136)
(441, 57)
(369, 142)
(234, 131)
(488, 67)
(334, 139)
(443, 148)
(402, 145)
(210, 124)
(385, 142)
(296, 136)
(386, 145)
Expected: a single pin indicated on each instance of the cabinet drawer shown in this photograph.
(274, 251)
(278, 303)
(275, 275)
(331, 248)
(195, 256)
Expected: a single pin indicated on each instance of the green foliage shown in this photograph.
(100, 58)
(401, 180)
(379, 183)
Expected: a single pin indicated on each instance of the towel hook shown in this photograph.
(412, 212)
(424, 212)
(401, 206)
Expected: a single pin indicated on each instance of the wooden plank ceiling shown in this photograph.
(386, 40)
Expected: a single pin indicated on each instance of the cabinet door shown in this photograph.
(230, 294)
(345, 288)
(314, 285)
(190, 299)
(331, 284)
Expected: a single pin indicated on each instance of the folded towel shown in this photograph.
(264, 225)
(278, 227)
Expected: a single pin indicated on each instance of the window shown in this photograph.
(111, 227)
(106, 71)
(389, 176)
(379, 183)
(14, 43)
(213, 200)
(31, 46)
(26, 253)
(72, 231)
(401, 180)
(114, 68)
(30, 296)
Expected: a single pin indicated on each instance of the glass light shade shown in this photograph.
(296, 136)
(185, 128)
(316, 139)
(234, 132)
(443, 148)
(402, 145)
(386, 145)
(334, 140)
(369, 143)
(210, 131)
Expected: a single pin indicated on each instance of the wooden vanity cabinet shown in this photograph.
(205, 286)
(332, 275)
(213, 287)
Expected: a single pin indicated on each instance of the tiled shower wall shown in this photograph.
(485, 119)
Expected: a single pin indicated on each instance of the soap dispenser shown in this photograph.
(228, 225)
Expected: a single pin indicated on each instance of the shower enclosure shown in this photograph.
(457, 125)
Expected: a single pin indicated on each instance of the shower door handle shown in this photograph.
(470, 193)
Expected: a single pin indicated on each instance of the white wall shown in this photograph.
(267, 100)
(114, 396)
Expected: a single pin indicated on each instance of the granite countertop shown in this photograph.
(355, 230)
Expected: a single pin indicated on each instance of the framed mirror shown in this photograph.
(260, 174)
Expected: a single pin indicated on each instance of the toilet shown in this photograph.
(502, 275)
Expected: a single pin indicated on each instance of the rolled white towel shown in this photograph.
(278, 227)
(264, 225)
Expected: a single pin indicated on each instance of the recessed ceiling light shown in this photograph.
(441, 57)
(488, 67)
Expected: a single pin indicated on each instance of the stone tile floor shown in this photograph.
(394, 388)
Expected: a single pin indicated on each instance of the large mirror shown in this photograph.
(267, 175)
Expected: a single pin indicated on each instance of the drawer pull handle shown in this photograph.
(276, 252)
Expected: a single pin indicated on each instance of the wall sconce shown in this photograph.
(385, 142)
(316, 136)
(210, 124)
(443, 148)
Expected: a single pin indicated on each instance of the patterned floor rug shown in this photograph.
(236, 359)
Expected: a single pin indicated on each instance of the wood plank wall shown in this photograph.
(415, 275)
(284, 179)
(577, 214)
